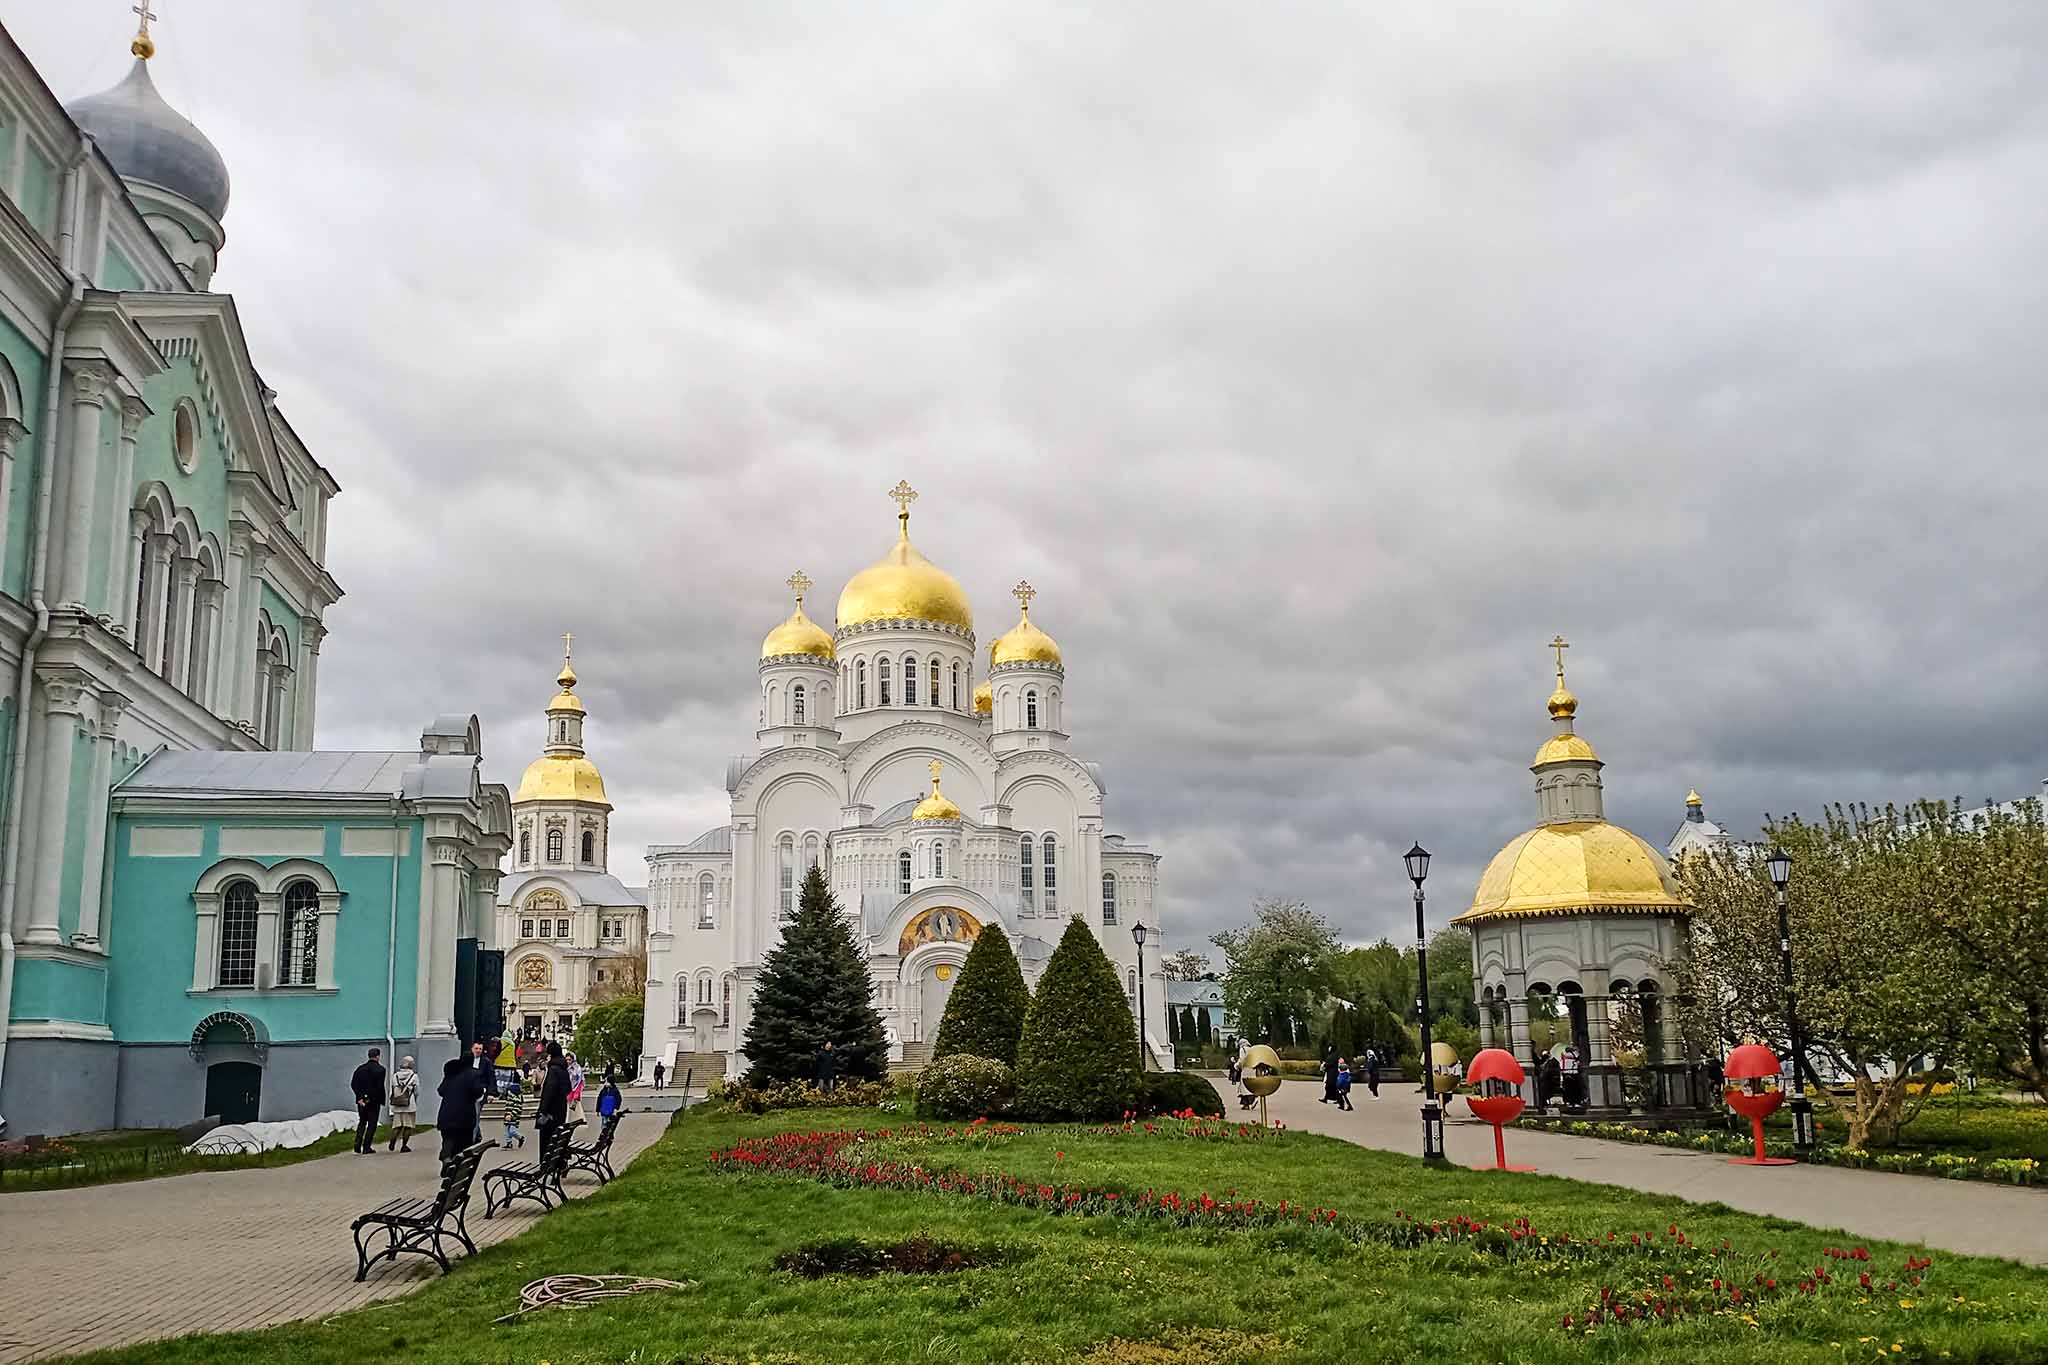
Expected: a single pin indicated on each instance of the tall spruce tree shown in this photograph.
(814, 987)
(985, 1012)
(1078, 1058)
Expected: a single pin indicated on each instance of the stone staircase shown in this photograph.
(701, 1067)
(916, 1056)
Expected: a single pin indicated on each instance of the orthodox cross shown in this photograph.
(799, 583)
(568, 638)
(144, 46)
(936, 766)
(904, 495)
(1024, 592)
(1560, 644)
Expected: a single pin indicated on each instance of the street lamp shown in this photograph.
(1779, 865)
(1138, 937)
(1417, 859)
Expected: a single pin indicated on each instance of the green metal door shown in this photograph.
(233, 1091)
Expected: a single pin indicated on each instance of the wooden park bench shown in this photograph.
(540, 1181)
(596, 1157)
(418, 1225)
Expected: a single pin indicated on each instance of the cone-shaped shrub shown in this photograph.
(814, 987)
(1078, 1058)
(985, 1012)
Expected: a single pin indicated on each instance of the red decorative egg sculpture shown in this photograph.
(1757, 1097)
(1496, 1078)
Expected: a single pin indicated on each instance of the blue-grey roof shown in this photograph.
(147, 140)
(639, 894)
(711, 841)
(337, 772)
(590, 888)
(1194, 992)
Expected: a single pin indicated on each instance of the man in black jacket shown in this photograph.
(461, 1092)
(554, 1094)
(487, 1073)
(368, 1085)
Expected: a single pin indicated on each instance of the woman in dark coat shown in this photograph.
(554, 1094)
(462, 1089)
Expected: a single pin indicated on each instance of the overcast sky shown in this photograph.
(1317, 363)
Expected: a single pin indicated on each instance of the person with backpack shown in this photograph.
(1343, 1085)
(608, 1098)
(405, 1106)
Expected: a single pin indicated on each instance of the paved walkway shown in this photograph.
(226, 1251)
(1968, 1216)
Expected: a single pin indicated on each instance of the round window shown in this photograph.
(185, 436)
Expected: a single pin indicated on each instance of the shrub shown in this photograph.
(985, 1013)
(1078, 1058)
(752, 1099)
(1174, 1092)
(964, 1086)
(610, 1033)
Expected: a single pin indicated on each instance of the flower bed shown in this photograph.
(2004, 1170)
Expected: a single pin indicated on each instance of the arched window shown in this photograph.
(555, 845)
(910, 680)
(302, 924)
(725, 1002)
(1024, 872)
(796, 705)
(1108, 898)
(589, 846)
(1051, 873)
(903, 873)
(882, 679)
(525, 845)
(1131, 986)
(933, 695)
(811, 851)
(1031, 709)
(704, 989)
(786, 854)
(938, 860)
(860, 685)
(707, 916)
(238, 935)
(682, 999)
(956, 684)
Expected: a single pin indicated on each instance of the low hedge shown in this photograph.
(1176, 1092)
(752, 1099)
(964, 1086)
(2015, 1170)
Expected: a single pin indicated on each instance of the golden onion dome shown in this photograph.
(566, 699)
(1574, 868)
(1024, 642)
(1563, 705)
(903, 585)
(562, 777)
(799, 634)
(984, 699)
(1693, 799)
(937, 806)
(1564, 748)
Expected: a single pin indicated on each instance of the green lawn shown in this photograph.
(145, 1154)
(1103, 1288)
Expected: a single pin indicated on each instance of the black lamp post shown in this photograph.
(1417, 859)
(1779, 865)
(1138, 937)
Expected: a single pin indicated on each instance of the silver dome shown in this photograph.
(149, 141)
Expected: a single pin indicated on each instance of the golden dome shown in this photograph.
(1693, 799)
(1024, 643)
(1586, 865)
(984, 699)
(1562, 703)
(562, 777)
(799, 634)
(937, 806)
(566, 699)
(1562, 748)
(903, 585)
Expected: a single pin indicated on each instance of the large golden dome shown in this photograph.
(1587, 865)
(903, 585)
(562, 777)
(1024, 642)
(799, 634)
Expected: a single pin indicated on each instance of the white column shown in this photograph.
(248, 672)
(206, 907)
(161, 547)
(330, 920)
(130, 582)
(438, 914)
(89, 386)
(269, 942)
(97, 854)
(121, 560)
(206, 651)
(11, 432)
(178, 654)
(311, 633)
(65, 694)
(273, 714)
(234, 656)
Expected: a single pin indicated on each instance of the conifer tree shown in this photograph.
(1203, 1029)
(814, 987)
(1078, 1058)
(985, 1013)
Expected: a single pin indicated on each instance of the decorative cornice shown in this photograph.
(887, 627)
(1028, 666)
(188, 347)
(808, 660)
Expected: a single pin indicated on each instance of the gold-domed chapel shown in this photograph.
(1574, 924)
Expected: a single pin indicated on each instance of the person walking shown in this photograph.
(1343, 1084)
(660, 1072)
(405, 1106)
(1372, 1071)
(368, 1085)
(511, 1097)
(575, 1087)
(461, 1092)
(827, 1068)
(487, 1074)
(608, 1098)
(554, 1095)
(1329, 1076)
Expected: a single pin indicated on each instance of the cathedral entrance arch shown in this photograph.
(928, 976)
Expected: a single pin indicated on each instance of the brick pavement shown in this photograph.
(111, 1265)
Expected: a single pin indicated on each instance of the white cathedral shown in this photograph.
(935, 806)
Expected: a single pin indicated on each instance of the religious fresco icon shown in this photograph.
(941, 924)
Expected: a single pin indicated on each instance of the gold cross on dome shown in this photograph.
(1560, 644)
(937, 767)
(568, 639)
(904, 495)
(144, 46)
(1024, 592)
(799, 583)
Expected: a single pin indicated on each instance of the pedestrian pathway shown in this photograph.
(226, 1251)
(1972, 1217)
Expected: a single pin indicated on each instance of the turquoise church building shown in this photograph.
(200, 914)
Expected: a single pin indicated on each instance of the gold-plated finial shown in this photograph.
(904, 495)
(1560, 644)
(1563, 705)
(936, 806)
(1024, 592)
(937, 767)
(1692, 798)
(566, 679)
(799, 583)
(144, 46)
